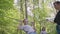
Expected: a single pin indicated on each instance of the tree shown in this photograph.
(7, 12)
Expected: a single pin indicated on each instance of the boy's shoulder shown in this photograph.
(26, 25)
(44, 32)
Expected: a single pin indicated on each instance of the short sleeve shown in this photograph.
(40, 32)
(20, 27)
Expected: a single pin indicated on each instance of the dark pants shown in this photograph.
(58, 29)
(32, 33)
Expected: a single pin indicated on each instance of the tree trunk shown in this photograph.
(26, 15)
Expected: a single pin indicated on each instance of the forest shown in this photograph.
(37, 11)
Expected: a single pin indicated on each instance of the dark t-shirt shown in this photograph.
(57, 18)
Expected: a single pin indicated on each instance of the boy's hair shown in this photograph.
(43, 28)
(25, 20)
(56, 2)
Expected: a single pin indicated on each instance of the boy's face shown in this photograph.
(25, 21)
(57, 6)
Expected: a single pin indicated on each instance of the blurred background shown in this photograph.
(41, 12)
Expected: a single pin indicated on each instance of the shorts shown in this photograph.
(58, 29)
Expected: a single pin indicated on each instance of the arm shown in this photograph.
(57, 17)
(33, 25)
(41, 32)
(20, 26)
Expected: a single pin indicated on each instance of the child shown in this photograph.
(43, 31)
(27, 28)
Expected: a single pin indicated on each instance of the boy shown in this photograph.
(27, 28)
(43, 31)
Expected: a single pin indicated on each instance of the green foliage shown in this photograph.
(9, 17)
(6, 4)
(39, 13)
(9, 25)
(36, 2)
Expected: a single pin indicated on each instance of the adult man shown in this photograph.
(57, 17)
